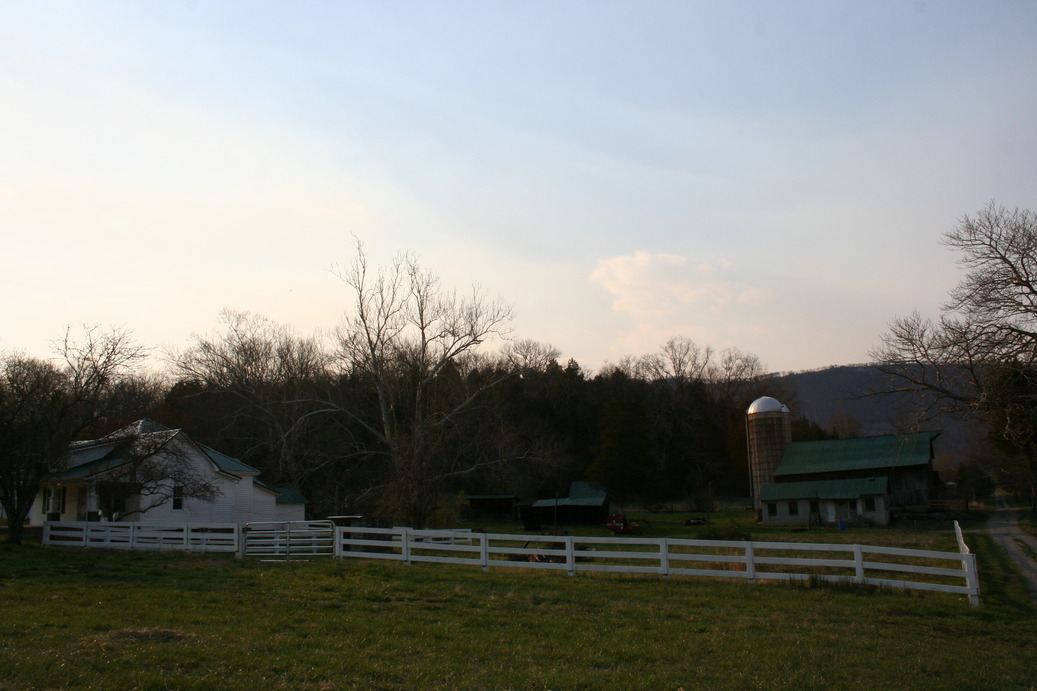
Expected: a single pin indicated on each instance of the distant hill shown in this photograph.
(827, 395)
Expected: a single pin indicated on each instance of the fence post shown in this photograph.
(133, 536)
(750, 564)
(971, 578)
(240, 529)
(405, 542)
(337, 536)
(484, 551)
(968, 565)
(570, 555)
(664, 558)
(858, 563)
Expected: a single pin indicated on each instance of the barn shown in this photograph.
(858, 479)
(834, 480)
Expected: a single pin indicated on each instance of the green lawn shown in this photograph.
(94, 619)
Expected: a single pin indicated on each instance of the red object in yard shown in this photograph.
(618, 524)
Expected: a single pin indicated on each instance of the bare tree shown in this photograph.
(680, 360)
(528, 354)
(980, 357)
(273, 386)
(44, 406)
(413, 339)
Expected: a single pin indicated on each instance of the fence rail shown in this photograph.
(191, 537)
(891, 567)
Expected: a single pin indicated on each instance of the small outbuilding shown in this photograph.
(587, 504)
(488, 507)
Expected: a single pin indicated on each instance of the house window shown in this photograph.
(178, 498)
(772, 509)
(54, 500)
(869, 504)
(793, 508)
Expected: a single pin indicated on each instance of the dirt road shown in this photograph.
(1004, 528)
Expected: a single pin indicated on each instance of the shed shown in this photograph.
(492, 506)
(587, 504)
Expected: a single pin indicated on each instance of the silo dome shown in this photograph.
(766, 404)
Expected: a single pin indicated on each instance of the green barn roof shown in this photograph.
(863, 453)
(824, 489)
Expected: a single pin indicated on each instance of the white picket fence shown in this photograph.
(191, 537)
(752, 561)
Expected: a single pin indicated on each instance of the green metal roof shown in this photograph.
(586, 490)
(290, 495)
(863, 453)
(824, 489)
(85, 470)
(90, 457)
(227, 464)
(580, 494)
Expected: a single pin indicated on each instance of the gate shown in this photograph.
(288, 540)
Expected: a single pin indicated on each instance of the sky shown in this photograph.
(769, 176)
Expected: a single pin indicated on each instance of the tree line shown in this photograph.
(417, 396)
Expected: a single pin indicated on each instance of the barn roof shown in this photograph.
(824, 489)
(862, 453)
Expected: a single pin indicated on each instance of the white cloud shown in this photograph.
(650, 287)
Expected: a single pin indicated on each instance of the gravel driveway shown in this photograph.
(1004, 528)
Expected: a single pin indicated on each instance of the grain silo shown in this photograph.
(768, 431)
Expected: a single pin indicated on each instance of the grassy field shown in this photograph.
(95, 619)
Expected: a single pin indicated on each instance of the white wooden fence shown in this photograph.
(192, 537)
(889, 567)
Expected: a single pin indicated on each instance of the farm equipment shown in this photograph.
(619, 524)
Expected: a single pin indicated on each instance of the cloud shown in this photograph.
(650, 287)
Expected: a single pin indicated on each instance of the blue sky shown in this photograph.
(769, 176)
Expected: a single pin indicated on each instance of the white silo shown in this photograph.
(768, 428)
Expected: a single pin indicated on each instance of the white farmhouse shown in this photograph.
(149, 473)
